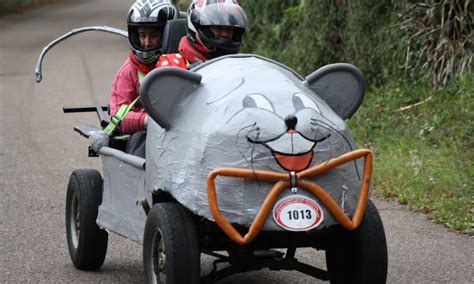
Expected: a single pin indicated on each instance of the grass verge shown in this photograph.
(423, 152)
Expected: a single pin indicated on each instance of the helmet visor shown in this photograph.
(222, 14)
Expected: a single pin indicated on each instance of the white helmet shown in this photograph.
(151, 13)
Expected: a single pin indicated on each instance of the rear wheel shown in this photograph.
(87, 243)
(359, 256)
(170, 245)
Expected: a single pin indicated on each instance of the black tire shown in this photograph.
(359, 256)
(170, 245)
(86, 242)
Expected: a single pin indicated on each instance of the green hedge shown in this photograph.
(386, 39)
(308, 34)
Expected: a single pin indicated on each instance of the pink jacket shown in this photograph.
(124, 91)
(125, 88)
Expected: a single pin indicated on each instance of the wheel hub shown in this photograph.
(75, 220)
(158, 258)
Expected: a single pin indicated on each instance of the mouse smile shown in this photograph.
(292, 151)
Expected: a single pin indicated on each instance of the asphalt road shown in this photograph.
(39, 150)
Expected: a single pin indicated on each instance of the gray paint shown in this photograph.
(341, 85)
(124, 185)
(230, 113)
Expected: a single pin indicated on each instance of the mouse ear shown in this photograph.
(163, 90)
(341, 85)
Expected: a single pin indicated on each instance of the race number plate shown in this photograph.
(297, 213)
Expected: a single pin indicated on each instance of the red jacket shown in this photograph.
(125, 88)
(193, 52)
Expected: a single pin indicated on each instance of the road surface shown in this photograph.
(39, 150)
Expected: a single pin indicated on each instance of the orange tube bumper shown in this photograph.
(282, 182)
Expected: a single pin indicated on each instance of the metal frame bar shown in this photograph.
(39, 64)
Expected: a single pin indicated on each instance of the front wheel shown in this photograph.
(359, 256)
(86, 242)
(170, 245)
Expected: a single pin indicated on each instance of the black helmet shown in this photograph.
(150, 13)
(205, 13)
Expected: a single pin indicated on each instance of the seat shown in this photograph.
(172, 34)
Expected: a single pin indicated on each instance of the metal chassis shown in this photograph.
(256, 260)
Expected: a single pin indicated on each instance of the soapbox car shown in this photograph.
(246, 161)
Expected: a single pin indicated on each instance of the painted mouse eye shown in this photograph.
(301, 101)
(259, 101)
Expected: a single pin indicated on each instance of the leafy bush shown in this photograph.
(404, 39)
(441, 37)
(308, 34)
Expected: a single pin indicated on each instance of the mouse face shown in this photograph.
(290, 139)
(239, 112)
(262, 116)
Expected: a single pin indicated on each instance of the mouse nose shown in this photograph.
(291, 121)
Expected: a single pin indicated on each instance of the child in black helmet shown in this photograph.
(146, 20)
